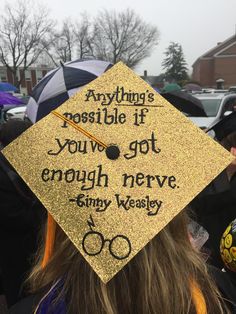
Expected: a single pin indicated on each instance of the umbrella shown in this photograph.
(186, 103)
(156, 89)
(8, 99)
(171, 87)
(7, 87)
(223, 127)
(61, 83)
(191, 87)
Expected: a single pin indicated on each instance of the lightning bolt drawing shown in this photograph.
(90, 222)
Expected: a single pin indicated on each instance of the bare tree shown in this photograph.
(22, 29)
(73, 40)
(83, 37)
(122, 36)
(63, 42)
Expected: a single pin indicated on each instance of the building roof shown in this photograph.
(219, 49)
(152, 79)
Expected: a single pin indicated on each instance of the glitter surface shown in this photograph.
(111, 209)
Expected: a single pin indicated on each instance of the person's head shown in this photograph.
(10, 130)
(225, 134)
(230, 105)
(157, 280)
(234, 105)
(229, 141)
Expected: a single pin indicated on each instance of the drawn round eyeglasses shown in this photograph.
(93, 243)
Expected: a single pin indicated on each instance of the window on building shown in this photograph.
(39, 75)
(27, 75)
(3, 75)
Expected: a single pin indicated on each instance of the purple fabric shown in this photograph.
(47, 304)
(8, 99)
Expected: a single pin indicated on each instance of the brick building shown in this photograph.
(29, 77)
(219, 63)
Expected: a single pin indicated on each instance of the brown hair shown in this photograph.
(156, 280)
(229, 141)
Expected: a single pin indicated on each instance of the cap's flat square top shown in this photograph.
(110, 209)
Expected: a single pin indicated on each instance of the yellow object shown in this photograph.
(228, 246)
(198, 299)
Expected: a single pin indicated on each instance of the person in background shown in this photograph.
(167, 276)
(215, 207)
(230, 106)
(21, 217)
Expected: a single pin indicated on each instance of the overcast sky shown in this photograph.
(196, 24)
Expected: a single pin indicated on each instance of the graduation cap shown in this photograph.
(114, 165)
(224, 127)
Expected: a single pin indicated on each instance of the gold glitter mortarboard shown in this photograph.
(114, 164)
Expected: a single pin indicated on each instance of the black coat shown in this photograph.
(226, 287)
(215, 208)
(27, 305)
(21, 218)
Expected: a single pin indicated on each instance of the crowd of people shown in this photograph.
(41, 273)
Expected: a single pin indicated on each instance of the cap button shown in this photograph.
(113, 152)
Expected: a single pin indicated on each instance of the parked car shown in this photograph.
(214, 91)
(3, 111)
(16, 113)
(232, 89)
(216, 106)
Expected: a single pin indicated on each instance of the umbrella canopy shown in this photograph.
(185, 103)
(224, 126)
(59, 84)
(171, 87)
(156, 89)
(7, 87)
(191, 87)
(8, 99)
